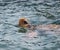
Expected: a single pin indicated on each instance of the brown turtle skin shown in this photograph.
(23, 22)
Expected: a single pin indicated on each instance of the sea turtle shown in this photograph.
(23, 22)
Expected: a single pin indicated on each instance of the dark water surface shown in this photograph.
(38, 12)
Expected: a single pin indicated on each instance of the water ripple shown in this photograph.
(38, 12)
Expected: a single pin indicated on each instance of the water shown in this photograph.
(38, 12)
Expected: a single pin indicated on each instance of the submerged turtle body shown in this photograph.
(48, 27)
(51, 27)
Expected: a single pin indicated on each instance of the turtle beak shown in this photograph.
(29, 26)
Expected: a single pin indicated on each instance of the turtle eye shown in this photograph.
(25, 22)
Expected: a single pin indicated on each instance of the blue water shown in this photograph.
(38, 12)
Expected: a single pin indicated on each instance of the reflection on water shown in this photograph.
(38, 12)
